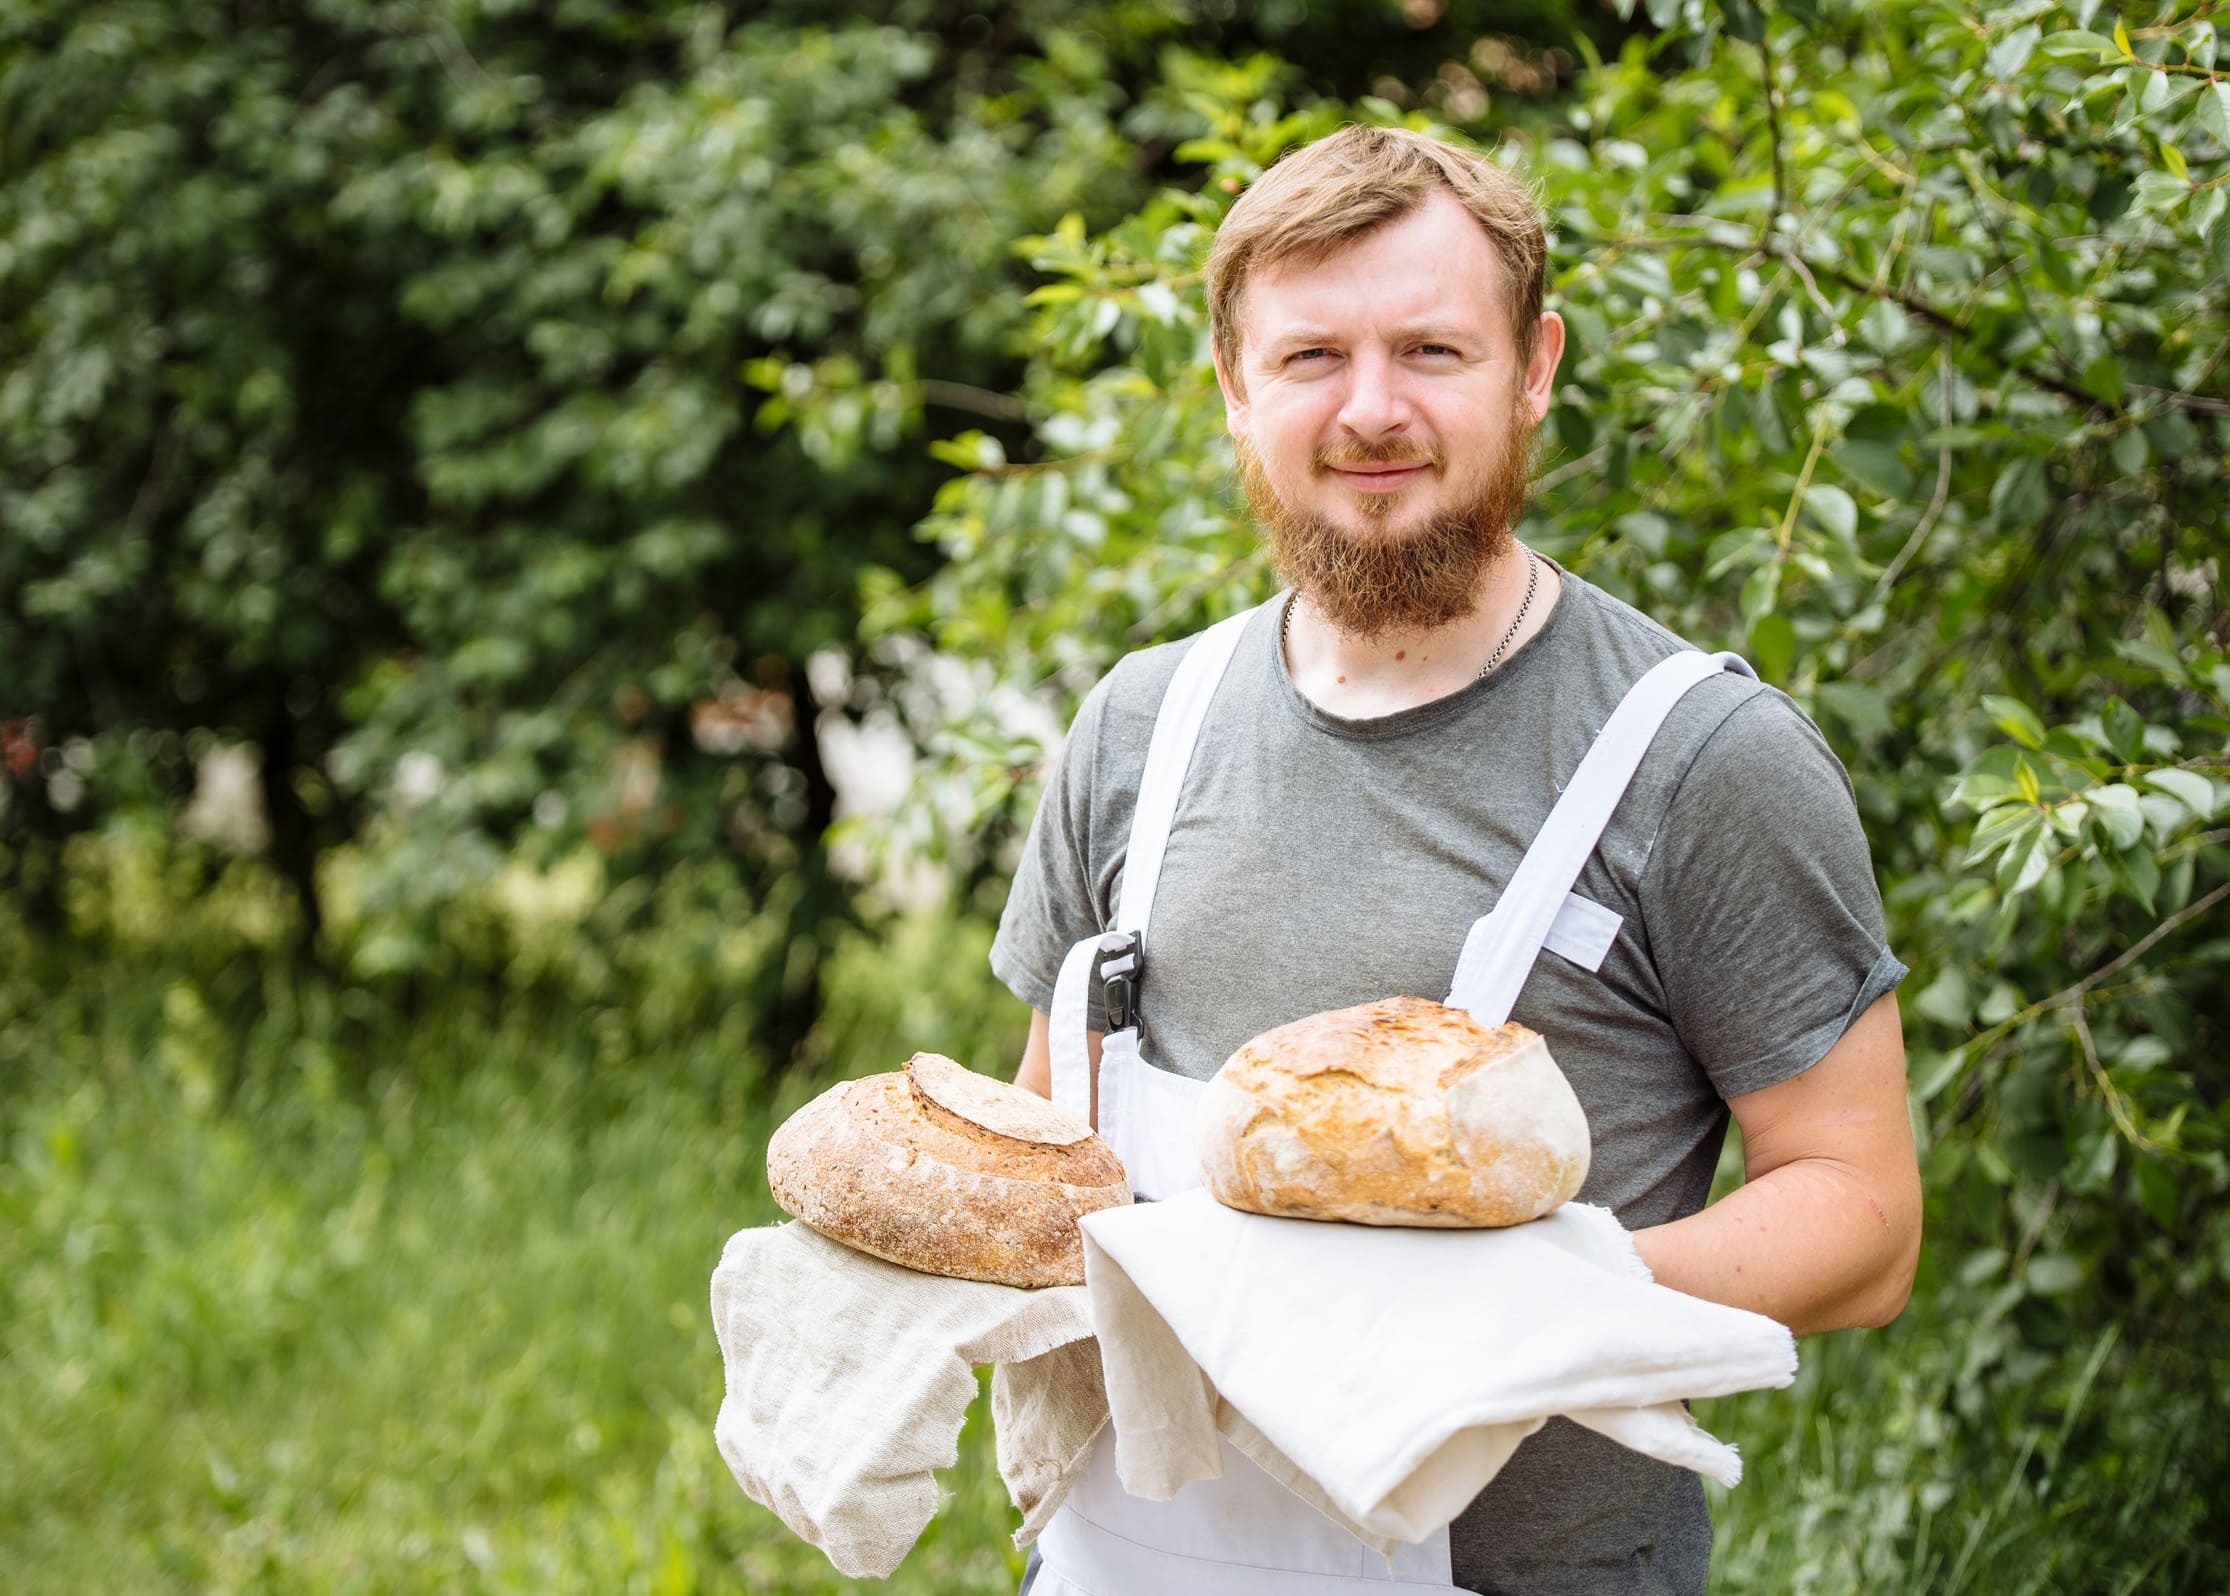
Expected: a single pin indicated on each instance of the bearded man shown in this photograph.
(1376, 758)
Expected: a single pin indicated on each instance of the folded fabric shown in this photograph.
(1386, 1375)
(848, 1380)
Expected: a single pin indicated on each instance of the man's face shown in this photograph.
(1383, 420)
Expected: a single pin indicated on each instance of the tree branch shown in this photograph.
(977, 401)
(2075, 993)
(2197, 403)
(2105, 1083)
(1773, 131)
(1896, 567)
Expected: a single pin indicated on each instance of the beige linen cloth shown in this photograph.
(848, 1379)
(1386, 1375)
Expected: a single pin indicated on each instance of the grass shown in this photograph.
(429, 1315)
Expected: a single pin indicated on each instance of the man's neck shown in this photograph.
(1364, 678)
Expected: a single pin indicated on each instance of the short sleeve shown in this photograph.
(1051, 906)
(1763, 917)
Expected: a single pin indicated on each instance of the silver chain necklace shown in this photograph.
(1532, 581)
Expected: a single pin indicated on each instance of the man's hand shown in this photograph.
(1825, 1231)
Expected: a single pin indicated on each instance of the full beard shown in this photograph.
(1370, 584)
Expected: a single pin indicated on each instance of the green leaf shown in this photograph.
(2103, 377)
(1646, 530)
(1773, 646)
(1878, 466)
(1931, 1075)
(2214, 111)
(2025, 862)
(1982, 1265)
(1864, 709)
(2125, 731)
(1982, 789)
(1772, 425)
(2011, 53)
(2052, 1273)
(2075, 44)
(1833, 508)
(2140, 872)
(2158, 193)
(2155, 657)
(2129, 451)
(2142, 1054)
(2006, 823)
(1744, 21)
(2119, 814)
(2095, 1166)
(1760, 590)
(2021, 497)
(2015, 719)
(2153, 88)
(1945, 1000)
(2121, 41)
(2190, 788)
(2159, 1188)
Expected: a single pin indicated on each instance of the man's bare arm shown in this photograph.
(1825, 1232)
(1036, 1072)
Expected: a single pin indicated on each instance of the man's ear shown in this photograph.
(1235, 419)
(1540, 371)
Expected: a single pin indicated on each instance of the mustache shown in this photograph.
(1394, 452)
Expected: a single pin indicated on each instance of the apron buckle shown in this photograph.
(1119, 971)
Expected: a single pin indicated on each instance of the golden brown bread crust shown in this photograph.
(1402, 1112)
(884, 1165)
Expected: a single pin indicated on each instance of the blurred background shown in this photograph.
(544, 549)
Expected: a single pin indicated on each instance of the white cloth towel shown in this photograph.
(1386, 1375)
(848, 1380)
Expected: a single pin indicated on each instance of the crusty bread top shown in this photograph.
(1404, 1044)
(893, 1110)
(1400, 1112)
(992, 1105)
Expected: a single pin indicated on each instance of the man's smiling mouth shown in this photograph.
(1380, 478)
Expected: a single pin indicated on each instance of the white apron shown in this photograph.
(1244, 1534)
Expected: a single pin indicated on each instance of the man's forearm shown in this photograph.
(1807, 1244)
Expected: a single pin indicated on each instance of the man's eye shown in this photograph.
(1434, 349)
(1299, 355)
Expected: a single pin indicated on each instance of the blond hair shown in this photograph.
(1330, 193)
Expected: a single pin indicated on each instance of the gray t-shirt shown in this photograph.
(1317, 862)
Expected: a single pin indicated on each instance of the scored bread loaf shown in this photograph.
(947, 1171)
(1402, 1112)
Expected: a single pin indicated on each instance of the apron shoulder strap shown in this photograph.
(1501, 949)
(1184, 710)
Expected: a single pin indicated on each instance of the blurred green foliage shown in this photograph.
(483, 413)
(378, 393)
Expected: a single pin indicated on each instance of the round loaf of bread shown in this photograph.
(947, 1171)
(1403, 1112)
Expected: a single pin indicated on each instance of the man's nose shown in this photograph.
(1374, 405)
